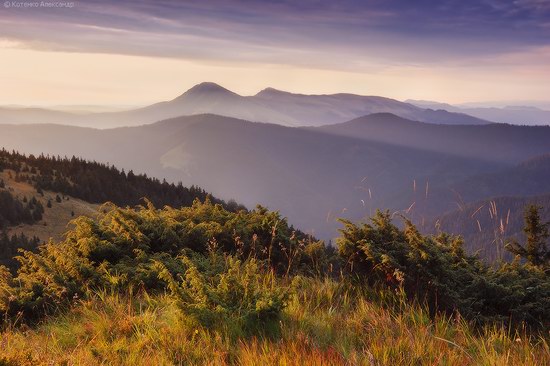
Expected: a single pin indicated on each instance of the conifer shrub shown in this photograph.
(137, 248)
(223, 291)
(437, 271)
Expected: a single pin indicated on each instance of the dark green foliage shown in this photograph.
(535, 250)
(435, 269)
(515, 293)
(93, 182)
(486, 225)
(6, 289)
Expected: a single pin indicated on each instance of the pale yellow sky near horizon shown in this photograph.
(43, 77)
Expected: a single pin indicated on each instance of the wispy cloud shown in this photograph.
(285, 31)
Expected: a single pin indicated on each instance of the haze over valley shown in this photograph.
(314, 175)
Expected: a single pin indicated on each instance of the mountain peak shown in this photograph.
(386, 117)
(269, 91)
(206, 88)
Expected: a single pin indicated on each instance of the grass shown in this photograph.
(326, 322)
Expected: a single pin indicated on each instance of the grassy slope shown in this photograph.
(325, 323)
(55, 219)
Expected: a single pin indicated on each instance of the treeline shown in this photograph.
(213, 261)
(14, 211)
(98, 183)
(90, 181)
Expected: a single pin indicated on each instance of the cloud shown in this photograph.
(323, 34)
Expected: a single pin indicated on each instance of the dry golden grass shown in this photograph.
(325, 324)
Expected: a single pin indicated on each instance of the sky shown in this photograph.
(139, 52)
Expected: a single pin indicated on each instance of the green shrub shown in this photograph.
(217, 291)
(517, 293)
(436, 270)
(123, 248)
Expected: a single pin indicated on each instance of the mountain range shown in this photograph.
(274, 106)
(519, 115)
(314, 175)
(269, 105)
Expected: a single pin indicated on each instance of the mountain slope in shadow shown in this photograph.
(503, 143)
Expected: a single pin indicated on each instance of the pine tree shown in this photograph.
(535, 250)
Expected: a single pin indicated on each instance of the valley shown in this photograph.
(315, 175)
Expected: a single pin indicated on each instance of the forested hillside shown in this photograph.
(316, 210)
(530, 177)
(97, 182)
(36, 192)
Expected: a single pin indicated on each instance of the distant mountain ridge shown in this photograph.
(312, 175)
(323, 109)
(269, 105)
(519, 115)
(492, 142)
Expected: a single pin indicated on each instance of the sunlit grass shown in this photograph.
(326, 322)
